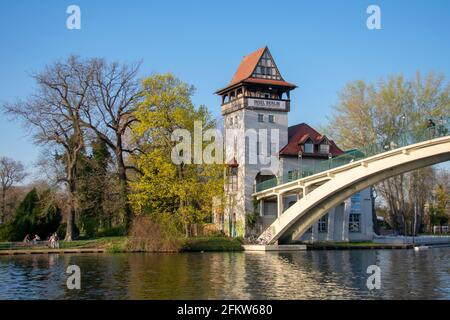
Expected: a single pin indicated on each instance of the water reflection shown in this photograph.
(277, 275)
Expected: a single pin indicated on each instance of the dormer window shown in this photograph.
(309, 147)
(324, 148)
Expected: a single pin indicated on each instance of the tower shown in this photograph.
(255, 106)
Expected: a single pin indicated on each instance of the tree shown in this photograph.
(438, 209)
(379, 113)
(36, 214)
(115, 94)
(11, 172)
(54, 112)
(92, 185)
(181, 189)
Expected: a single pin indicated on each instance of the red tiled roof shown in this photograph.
(299, 134)
(245, 70)
(247, 65)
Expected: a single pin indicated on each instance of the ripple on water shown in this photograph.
(405, 274)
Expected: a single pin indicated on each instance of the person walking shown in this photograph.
(36, 239)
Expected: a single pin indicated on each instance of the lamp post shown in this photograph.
(441, 127)
(330, 160)
(402, 130)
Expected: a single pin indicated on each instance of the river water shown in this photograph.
(405, 274)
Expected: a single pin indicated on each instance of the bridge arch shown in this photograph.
(350, 179)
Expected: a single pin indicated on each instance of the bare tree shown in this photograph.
(11, 172)
(381, 113)
(115, 94)
(53, 113)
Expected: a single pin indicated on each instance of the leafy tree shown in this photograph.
(438, 214)
(181, 189)
(35, 215)
(92, 180)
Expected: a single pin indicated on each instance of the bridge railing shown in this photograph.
(403, 139)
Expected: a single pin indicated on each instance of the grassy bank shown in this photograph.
(110, 244)
(352, 245)
(217, 243)
(119, 244)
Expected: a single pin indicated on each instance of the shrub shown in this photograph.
(218, 244)
(154, 234)
(5, 231)
(211, 229)
(62, 231)
(112, 232)
(88, 224)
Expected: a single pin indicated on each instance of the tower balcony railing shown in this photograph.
(243, 102)
(402, 139)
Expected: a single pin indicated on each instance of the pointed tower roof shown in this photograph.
(249, 72)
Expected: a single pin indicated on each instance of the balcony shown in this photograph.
(256, 103)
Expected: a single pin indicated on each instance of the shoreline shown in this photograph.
(196, 244)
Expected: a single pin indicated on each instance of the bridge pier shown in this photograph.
(261, 208)
(331, 217)
(279, 204)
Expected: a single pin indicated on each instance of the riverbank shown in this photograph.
(119, 244)
(194, 244)
(355, 246)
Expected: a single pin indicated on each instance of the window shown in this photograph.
(231, 121)
(309, 147)
(324, 148)
(232, 178)
(323, 224)
(271, 118)
(260, 117)
(354, 222)
(355, 201)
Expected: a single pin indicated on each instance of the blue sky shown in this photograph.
(318, 45)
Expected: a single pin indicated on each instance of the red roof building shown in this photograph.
(304, 140)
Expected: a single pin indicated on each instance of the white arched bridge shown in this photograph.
(319, 192)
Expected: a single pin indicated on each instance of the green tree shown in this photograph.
(438, 210)
(36, 214)
(182, 189)
(92, 180)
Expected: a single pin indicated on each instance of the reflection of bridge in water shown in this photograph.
(327, 184)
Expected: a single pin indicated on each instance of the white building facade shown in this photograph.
(259, 146)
